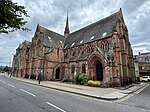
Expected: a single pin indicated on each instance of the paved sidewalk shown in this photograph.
(95, 92)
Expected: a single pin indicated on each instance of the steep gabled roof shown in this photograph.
(95, 31)
(50, 37)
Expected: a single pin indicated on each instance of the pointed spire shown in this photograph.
(66, 32)
(38, 27)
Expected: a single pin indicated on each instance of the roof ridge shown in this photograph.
(92, 24)
(145, 53)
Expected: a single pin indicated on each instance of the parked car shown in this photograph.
(145, 78)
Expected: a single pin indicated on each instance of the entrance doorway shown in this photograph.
(57, 74)
(99, 71)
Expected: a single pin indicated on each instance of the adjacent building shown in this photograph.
(143, 60)
(101, 50)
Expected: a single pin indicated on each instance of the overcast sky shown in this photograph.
(52, 15)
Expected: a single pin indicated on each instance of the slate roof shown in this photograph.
(50, 37)
(143, 57)
(100, 29)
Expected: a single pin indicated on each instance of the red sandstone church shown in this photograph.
(101, 50)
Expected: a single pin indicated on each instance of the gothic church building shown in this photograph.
(100, 50)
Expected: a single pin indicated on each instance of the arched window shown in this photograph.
(73, 54)
(123, 45)
(77, 52)
(38, 47)
(66, 54)
(107, 46)
(92, 48)
(72, 69)
(102, 46)
(83, 68)
(83, 52)
(89, 49)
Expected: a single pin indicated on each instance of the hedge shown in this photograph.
(94, 83)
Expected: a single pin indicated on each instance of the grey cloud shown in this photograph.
(138, 24)
(142, 45)
(132, 5)
(52, 14)
(148, 48)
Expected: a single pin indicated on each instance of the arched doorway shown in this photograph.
(96, 66)
(99, 71)
(57, 74)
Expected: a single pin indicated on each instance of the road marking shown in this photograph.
(141, 89)
(130, 95)
(55, 107)
(27, 92)
(11, 85)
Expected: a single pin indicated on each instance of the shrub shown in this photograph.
(82, 79)
(94, 83)
(77, 78)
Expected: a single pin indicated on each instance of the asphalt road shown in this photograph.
(140, 100)
(17, 96)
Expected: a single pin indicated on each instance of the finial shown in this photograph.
(67, 12)
(67, 25)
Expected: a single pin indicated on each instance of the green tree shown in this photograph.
(1, 69)
(12, 17)
(6, 69)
